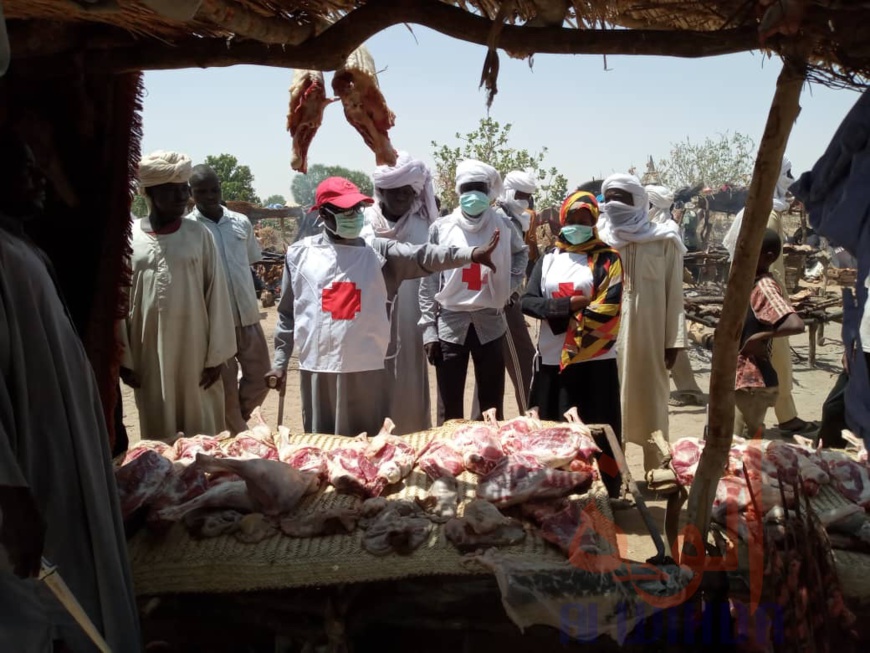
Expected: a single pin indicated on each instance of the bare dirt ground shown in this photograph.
(811, 386)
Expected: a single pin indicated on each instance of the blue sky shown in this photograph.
(592, 121)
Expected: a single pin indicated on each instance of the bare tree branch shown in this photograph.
(329, 49)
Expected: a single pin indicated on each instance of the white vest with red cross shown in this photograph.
(474, 286)
(339, 306)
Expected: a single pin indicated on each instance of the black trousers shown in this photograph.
(593, 388)
(452, 369)
(834, 415)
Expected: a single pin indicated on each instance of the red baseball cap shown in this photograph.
(340, 193)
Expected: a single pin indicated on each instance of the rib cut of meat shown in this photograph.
(480, 447)
(140, 481)
(515, 480)
(305, 458)
(440, 458)
(274, 486)
(246, 446)
(793, 463)
(186, 449)
(307, 102)
(356, 84)
(393, 457)
(350, 470)
(554, 446)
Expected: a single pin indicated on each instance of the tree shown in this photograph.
(304, 186)
(490, 143)
(275, 199)
(725, 161)
(237, 182)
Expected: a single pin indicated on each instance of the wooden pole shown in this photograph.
(783, 113)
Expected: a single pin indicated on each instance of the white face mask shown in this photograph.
(525, 219)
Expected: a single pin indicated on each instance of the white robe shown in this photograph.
(410, 403)
(179, 323)
(652, 320)
(53, 440)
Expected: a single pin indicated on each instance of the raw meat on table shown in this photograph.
(392, 455)
(254, 528)
(184, 483)
(553, 446)
(186, 449)
(573, 530)
(212, 523)
(685, 454)
(398, 528)
(246, 446)
(480, 447)
(482, 526)
(275, 487)
(515, 481)
(140, 480)
(440, 458)
(350, 470)
(305, 458)
(794, 463)
(142, 446)
(850, 477)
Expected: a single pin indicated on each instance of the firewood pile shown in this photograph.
(705, 305)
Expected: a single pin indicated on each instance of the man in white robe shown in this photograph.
(336, 296)
(403, 210)
(238, 250)
(179, 330)
(653, 321)
(785, 409)
(661, 203)
(57, 489)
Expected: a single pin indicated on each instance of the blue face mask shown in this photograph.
(577, 234)
(349, 224)
(474, 202)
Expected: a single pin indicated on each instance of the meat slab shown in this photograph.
(516, 480)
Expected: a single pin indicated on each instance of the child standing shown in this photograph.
(770, 315)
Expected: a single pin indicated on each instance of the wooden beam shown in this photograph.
(783, 113)
(329, 49)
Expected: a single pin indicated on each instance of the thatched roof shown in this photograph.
(122, 35)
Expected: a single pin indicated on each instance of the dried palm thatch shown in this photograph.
(121, 35)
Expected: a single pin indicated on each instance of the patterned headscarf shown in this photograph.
(579, 200)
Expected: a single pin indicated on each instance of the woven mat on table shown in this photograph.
(853, 567)
(177, 563)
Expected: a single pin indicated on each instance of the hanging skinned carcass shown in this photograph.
(356, 85)
(307, 103)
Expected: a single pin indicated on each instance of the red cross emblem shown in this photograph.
(343, 299)
(473, 277)
(567, 290)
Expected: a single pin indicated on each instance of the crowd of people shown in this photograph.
(374, 291)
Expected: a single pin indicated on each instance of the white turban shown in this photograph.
(621, 224)
(661, 199)
(470, 171)
(409, 172)
(164, 168)
(519, 180)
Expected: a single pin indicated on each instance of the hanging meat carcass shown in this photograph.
(356, 85)
(307, 103)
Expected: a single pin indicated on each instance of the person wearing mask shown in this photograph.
(404, 208)
(652, 331)
(576, 292)
(178, 333)
(462, 310)
(238, 250)
(337, 294)
(785, 409)
(518, 349)
(58, 497)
